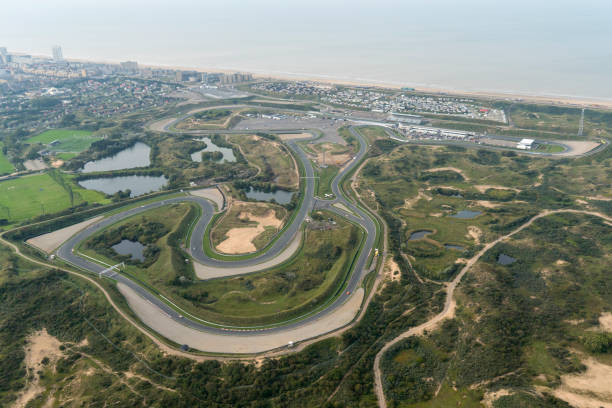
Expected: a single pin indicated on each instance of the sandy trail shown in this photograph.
(484, 187)
(51, 241)
(450, 304)
(455, 169)
(257, 342)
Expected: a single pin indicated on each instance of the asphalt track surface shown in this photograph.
(69, 253)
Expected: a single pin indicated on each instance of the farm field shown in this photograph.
(70, 140)
(30, 196)
(5, 165)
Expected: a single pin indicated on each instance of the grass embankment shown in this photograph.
(274, 162)
(308, 280)
(5, 165)
(30, 196)
(68, 140)
(254, 222)
(326, 176)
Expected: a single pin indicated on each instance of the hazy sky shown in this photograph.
(553, 47)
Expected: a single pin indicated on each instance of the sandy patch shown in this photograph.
(40, 345)
(605, 321)
(292, 136)
(592, 388)
(599, 198)
(57, 163)
(486, 204)
(51, 241)
(560, 262)
(475, 233)
(210, 272)
(578, 147)
(455, 169)
(256, 342)
(410, 202)
(579, 201)
(240, 240)
(490, 397)
(484, 187)
(392, 270)
(212, 193)
(34, 164)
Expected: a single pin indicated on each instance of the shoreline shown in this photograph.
(562, 100)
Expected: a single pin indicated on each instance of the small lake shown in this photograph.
(133, 248)
(138, 155)
(455, 247)
(466, 214)
(280, 196)
(504, 259)
(228, 154)
(419, 235)
(138, 185)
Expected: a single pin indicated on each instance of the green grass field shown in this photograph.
(31, 196)
(5, 165)
(73, 141)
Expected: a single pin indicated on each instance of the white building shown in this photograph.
(525, 144)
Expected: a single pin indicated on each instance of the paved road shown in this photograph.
(68, 250)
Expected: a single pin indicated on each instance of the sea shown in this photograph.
(554, 48)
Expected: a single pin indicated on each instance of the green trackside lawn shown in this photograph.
(30, 196)
(5, 165)
(69, 140)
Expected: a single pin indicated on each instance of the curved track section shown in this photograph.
(163, 316)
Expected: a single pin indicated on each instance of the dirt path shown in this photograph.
(450, 304)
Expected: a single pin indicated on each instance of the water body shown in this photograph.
(133, 248)
(138, 185)
(280, 196)
(535, 47)
(130, 158)
(228, 154)
(453, 246)
(466, 214)
(504, 259)
(419, 235)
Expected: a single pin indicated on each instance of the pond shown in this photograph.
(133, 248)
(453, 246)
(466, 214)
(132, 157)
(418, 235)
(138, 185)
(280, 196)
(504, 259)
(228, 153)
